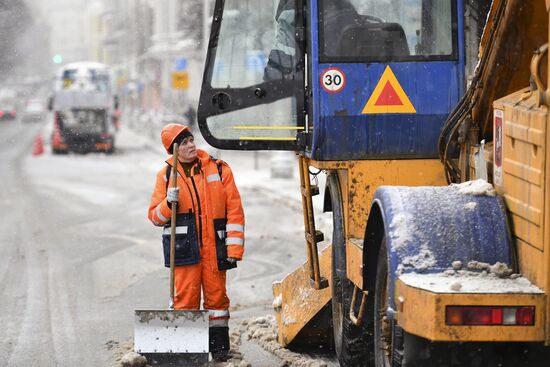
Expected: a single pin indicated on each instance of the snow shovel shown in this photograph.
(171, 332)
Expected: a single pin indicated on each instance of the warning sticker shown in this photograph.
(333, 80)
(388, 97)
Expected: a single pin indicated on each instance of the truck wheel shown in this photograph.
(388, 336)
(353, 344)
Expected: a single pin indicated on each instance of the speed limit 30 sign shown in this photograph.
(333, 80)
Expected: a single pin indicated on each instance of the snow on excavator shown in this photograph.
(388, 98)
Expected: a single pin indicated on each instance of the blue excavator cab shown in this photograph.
(333, 79)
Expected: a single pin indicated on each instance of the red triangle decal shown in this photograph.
(388, 97)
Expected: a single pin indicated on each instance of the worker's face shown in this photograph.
(187, 151)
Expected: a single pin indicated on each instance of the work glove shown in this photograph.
(232, 260)
(172, 194)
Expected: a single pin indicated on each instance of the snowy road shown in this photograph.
(78, 255)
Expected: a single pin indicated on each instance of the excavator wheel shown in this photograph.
(353, 344)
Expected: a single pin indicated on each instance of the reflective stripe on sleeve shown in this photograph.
(179, 230)
(234, 227)
(213, 178)
(234, 241)
(159, 214)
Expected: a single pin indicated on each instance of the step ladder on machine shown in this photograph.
(312, 235)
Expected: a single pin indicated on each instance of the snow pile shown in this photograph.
(479, 278)
(476, 188)
(278, 301)
(287, 320)
(457, 265)
(263, 331)
(133, 359)
(400, 227)
(122, 353)
(471, 205)
(499, 269)
(124, 356)
(423, 260)
(236, 359)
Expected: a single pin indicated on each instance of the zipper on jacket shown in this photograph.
(199, 206)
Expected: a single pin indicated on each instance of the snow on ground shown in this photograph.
(476, 188)
(465, 281)
(263, 330)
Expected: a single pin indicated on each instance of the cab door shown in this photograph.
(252, 94)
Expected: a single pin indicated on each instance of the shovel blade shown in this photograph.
(170, 331)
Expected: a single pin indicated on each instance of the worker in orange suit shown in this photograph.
(209, 230)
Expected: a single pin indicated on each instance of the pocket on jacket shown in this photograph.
(221, 248)
(187, 250)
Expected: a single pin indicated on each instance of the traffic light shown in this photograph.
(57, 59)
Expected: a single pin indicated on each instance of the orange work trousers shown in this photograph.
(189, 279)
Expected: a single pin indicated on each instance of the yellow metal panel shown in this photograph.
(533, 133)
(532, 256)
(354, 261)
(299, 302)
(523, 173)
(366, 176)
(524, 185)
(424, 315)
(523, 165)
(329, 165)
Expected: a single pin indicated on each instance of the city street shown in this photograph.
(79, 255)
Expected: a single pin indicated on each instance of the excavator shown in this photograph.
(428, 118)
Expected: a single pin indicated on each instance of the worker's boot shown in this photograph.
(219, 343)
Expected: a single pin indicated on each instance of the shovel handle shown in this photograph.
(173, 225)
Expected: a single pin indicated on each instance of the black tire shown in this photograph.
(389, 338)
(353, 344)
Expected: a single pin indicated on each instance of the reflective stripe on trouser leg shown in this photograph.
(218, 318)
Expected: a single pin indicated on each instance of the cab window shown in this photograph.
(387, 30)
(255, 46)
(253, 87)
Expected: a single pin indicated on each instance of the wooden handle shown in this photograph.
(173, 225)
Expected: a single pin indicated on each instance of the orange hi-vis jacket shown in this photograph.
(213, 200)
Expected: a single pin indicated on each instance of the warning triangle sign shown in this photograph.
(388, 97)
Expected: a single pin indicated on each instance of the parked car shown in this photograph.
(34, 111)
(8, 105)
